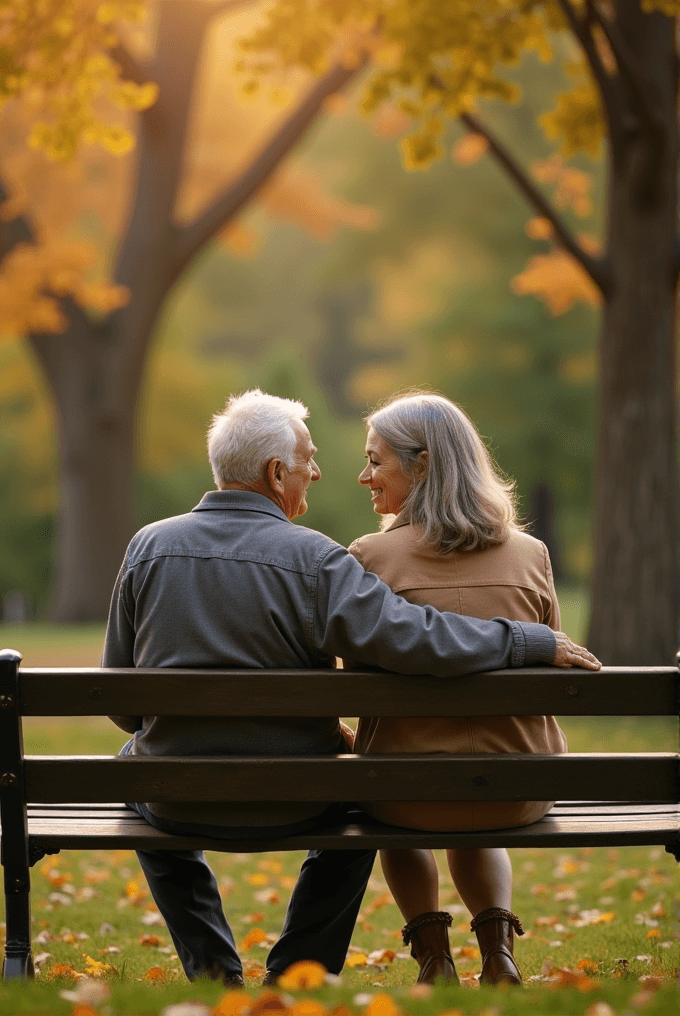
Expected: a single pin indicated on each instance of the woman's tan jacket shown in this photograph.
(513, 580)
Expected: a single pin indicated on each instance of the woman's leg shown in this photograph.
(413, 879)
(483, 877)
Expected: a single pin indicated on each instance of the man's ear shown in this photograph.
(275, 475)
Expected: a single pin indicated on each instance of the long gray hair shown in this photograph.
(462, 502)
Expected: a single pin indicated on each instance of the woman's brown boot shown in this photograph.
(494, 929)
(428, 936)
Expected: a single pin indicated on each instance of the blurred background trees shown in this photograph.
(421, 284)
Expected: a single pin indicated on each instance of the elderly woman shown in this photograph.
(454, 544)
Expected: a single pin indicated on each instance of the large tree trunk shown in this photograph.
(635, 584)
(95, 515)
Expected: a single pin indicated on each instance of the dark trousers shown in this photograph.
(319, 922)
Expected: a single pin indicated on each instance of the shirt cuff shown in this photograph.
(531, 643)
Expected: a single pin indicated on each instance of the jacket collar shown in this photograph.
(239, 500)
(401, 520)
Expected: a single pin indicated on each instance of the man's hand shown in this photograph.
(568, 654)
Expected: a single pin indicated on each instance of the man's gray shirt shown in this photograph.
(234, 583)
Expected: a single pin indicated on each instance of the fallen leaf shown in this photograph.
(307, 1007)
(150, 940)
(154, 975)
(270, 864)
(234, 1003)
(382, 1005)
(256, 878)
(253, 937)
(95, 968)
(62, 970)
(266, 896)
(305, 975)
(287, 882)
(357, 960)
(588, 966)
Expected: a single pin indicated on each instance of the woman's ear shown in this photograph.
(422, 465)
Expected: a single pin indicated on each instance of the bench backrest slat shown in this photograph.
(625, 777)
(629, 691)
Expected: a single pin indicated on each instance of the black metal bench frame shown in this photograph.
(50, 803)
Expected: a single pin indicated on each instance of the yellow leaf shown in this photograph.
(469, 149)
(559, 280)
(605, 918)
(357, 960)
(539, 229)
(256, 878)
(95, 968)
(653, 933)
(305, 975)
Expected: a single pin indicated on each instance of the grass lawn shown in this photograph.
(609, 916)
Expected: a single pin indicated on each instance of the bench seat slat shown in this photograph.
(625, 777)
(637, 691)
(115, 827)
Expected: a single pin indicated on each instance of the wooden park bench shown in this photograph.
(51, 803)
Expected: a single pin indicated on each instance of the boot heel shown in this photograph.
(428, 936)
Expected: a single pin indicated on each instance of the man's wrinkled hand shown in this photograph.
(568, 654)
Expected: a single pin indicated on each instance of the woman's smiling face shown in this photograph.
(383, 475)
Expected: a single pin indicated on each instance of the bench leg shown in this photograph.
(18, 963)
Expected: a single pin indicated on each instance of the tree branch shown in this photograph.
(582, 32)
(595, 267)
(130, 68)
(629, 68)
(190, 238)
(14, 231)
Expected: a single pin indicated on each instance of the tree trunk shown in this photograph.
(634, 618)
(95, 515)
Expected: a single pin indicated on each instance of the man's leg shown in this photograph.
(323, 909)
(186, 893)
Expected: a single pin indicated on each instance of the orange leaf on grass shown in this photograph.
(234, 1003)
(84, 1010)
(468, 952)
(269, 1003)
(62, 970)
(382, 1005)
(269, 864)
(287, 881)
(357, 960)
(304, 976)
(588, 966)
(150, 940)
(253, 937)
(653, 933)
(308, 1007)
(154, 975)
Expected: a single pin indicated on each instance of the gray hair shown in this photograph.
(253, 429)
(463, 502)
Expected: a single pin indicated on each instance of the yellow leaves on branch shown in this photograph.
(571, 186)
(34, 276)
(558, 280)
(577, 119)
(55, 56)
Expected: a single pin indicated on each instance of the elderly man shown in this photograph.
(234, 584)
